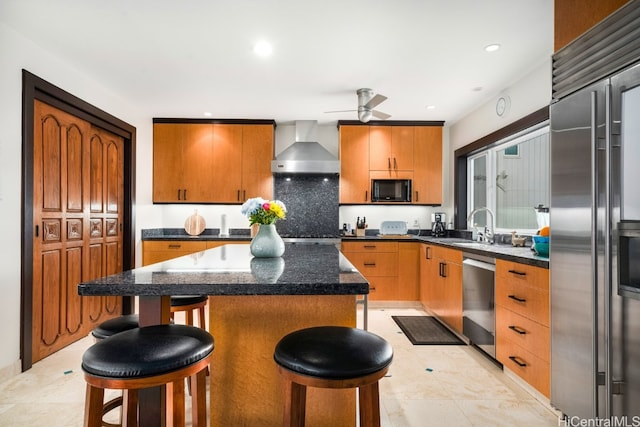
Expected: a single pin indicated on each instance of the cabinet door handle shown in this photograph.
(518, 361)
(369, 264)
(443, 269)
(427, 254)
(244, 195)
(238, 196)
(518, 330)
(519, 273)
(366, 195)
(179, 191)
(388, 162)
(395, 164)
(175, 246)
(515, 298)
(185, 194)
(417, 198)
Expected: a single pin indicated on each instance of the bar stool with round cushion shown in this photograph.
(188, 303)
(332, 357)
(144, 357)
(105, 330)
(116, 325)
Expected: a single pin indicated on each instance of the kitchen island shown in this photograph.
(253, 303)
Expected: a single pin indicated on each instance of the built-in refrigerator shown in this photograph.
(595, 250)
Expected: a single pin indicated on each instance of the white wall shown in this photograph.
(18, 53)
(528, 94)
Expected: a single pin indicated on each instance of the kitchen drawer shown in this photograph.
(528, 301)
(374, 263)
(369, 246)
(163, 250)
(515, 272)
(384, 289)
(528, 334)
(174, 245)
(448, 254)
(525, 364)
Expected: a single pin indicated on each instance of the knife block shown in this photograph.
(359, 232)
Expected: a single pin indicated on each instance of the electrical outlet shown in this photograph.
(416, 224)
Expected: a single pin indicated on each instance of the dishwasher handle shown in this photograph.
(479, 264)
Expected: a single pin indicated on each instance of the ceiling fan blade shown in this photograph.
(380, 115)
(377, 99)
(341, 111)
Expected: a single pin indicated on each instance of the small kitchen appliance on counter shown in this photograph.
(438, 221)
(393, 229)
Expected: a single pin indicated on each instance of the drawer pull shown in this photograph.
(369, 246)
(369, 264)
(513, 297)
(519, 273)
(518, 330)
(175, 246)
(518, 362)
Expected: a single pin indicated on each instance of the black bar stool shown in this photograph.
(151, 356)
(189, 303)
(332, 357)
(105, 330)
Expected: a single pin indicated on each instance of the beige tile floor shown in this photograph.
(462, 387)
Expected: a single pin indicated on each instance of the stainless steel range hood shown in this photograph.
(306, 155)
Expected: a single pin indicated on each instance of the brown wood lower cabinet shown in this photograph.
(522, 322)
(390, 267)
(161, 250)
(441, 283)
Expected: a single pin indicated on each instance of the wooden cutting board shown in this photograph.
(195, 224)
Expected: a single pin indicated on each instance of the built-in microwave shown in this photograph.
(390, 190)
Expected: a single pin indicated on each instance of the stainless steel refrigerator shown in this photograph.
(595, 250)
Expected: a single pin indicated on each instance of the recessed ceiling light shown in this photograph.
(207, 114)
(492, 47)
(262, 48)
(477, 89)
(431, 107)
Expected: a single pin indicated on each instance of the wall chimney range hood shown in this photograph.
(305, 155)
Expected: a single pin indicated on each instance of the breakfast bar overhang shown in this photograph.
(253, 302)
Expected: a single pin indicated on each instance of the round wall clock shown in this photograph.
(502, 105)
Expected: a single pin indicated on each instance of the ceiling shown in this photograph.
(184, 58)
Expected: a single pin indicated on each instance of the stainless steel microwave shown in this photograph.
(390, 190)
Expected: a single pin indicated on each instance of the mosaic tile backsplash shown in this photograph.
(312, 205)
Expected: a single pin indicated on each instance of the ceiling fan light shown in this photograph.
(364, 115)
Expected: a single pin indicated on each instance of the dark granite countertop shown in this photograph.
(208, 234)
(506, 252)
(232, 270)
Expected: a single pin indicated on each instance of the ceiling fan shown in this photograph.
(367, 101)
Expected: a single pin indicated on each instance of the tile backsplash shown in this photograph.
(312, 205)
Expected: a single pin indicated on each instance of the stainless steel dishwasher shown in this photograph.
(478, 301)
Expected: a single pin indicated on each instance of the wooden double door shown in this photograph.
(78, 199)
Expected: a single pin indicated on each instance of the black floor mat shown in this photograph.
(425, 330)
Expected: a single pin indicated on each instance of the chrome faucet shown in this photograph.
(488, 235)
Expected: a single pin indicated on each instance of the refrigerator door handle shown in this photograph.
(607, 254)
(594, 244)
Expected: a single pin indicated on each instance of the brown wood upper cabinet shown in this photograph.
(182, 162)
(242, 162)
(391, 149)
(354, 164)
(391, 152)
(211, 162)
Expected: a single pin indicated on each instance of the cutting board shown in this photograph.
(195, 224)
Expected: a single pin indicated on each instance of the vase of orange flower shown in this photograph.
(267, 243)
